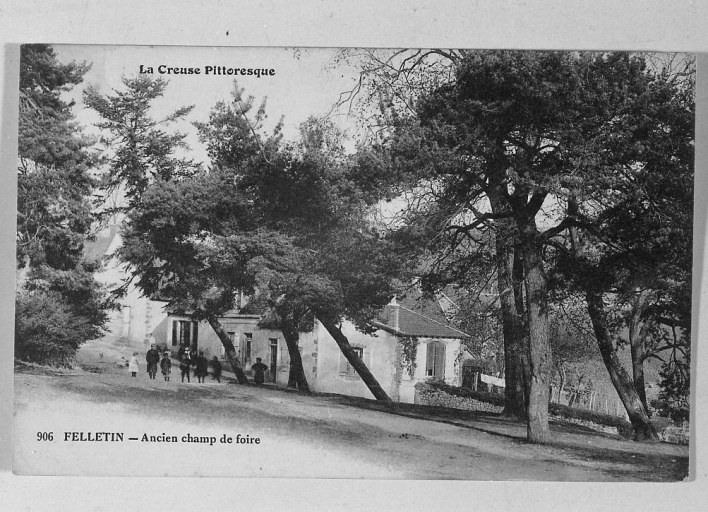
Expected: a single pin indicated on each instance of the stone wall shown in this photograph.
(429, 395)
(675, 434)
(442, 395)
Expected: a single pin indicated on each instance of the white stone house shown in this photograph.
(249, 338)
(439, 354)
(138, 316)
(439, 350)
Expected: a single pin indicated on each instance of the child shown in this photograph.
(202, 368)
(217, 369)
(166, 365)
(133, 364)
(184, 365)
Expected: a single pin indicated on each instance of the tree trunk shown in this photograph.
(296, 377)
(353, 358)
(637, 333)
(643, 428)
(638, 374)
(230, 350)
(561, 376)
(573, 396)
(539, 347)
(515, 349)
(509, 276)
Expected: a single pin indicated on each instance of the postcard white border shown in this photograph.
(569, 24)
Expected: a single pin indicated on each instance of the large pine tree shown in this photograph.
(59, 304)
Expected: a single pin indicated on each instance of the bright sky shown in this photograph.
(306, 81)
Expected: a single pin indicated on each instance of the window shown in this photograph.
(435, 360)
(247, 346)
(181, 332)
(345, 368)
(273, 366)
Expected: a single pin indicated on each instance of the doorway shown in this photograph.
(273, 358)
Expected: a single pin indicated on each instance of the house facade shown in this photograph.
(137, 315)
(436, 350)
(249, 339)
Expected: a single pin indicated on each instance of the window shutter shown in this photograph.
(343, 364)
(435, 360)
(175, 336)
(195, 327)
(184, 326)
(430, 360)
(440, 361)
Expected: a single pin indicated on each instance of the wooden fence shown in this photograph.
(592, 401)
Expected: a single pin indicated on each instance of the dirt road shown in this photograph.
(299, 436)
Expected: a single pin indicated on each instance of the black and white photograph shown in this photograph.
(354, 263)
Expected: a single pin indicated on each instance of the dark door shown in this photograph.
(273, 358)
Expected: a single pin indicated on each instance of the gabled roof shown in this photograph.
(400, 320)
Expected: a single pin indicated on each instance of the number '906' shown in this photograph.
(45, 436)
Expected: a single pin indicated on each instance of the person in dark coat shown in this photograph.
(216, 365)
(259, 370)
(202, 367)
(185, 362)
(166, 365)
(193, 359)
(153, 359)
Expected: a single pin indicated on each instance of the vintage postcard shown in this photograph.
(353, 263)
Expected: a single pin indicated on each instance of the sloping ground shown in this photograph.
(301, 436)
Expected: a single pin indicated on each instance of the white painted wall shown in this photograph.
(138, 316)
(210, 343)
(378, 355)
(321, 356)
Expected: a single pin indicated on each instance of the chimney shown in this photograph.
(395, 310)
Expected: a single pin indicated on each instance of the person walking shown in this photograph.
(259, 370)
(202, 367)
(193, 359)
(166, 365)
(185, 362)
(133, 367)
(152, 358)
(216, 365)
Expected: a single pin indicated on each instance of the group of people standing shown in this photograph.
(153, 359)
(188, 358)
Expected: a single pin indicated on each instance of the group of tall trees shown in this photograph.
(539, 178)
(279, 222)
(575, 171)
(59, 305)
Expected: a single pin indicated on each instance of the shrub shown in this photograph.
(46, 331)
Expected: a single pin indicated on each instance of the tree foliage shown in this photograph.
(59, 304)
(139, 148)
(537, 146)
(279, 221)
